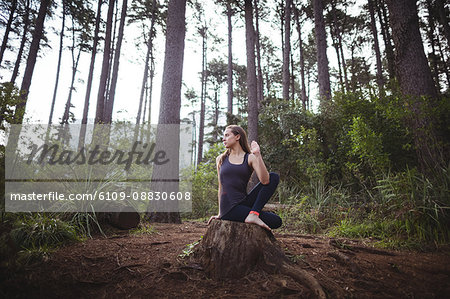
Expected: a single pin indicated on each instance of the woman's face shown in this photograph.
(229, 139)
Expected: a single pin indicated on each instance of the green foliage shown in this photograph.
(316, 209)
(367, 146)
(205, 184)
(189, 249)
(351, 170)
(40, 230)
(287, 134)
(300, 219)
(143, 229)
(85, 223)
(311, 162)
(34, 254)
(375, 229)
(423, 205)
(9, 98)
(373, 130)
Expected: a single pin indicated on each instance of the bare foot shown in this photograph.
(252, 218)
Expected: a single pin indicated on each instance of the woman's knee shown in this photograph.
(276, 222)
(271, 219)
(274, 178)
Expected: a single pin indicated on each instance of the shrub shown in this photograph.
(205, 185)
(41, 230)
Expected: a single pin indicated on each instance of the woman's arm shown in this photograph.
(220, 188)
(218, 179)
(256, 162)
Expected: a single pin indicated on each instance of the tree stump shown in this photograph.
(233, 249)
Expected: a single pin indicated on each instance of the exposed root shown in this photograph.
(304, 278)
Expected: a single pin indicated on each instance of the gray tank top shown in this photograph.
(234, 179)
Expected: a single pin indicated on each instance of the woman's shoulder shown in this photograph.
(250, 159)
(219, 158)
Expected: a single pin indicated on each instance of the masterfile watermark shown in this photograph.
(53, 169)
(97, 156)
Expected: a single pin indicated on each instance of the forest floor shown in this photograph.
(149, 265)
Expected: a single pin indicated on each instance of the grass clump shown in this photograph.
(36, 235)
(404, 210)
(40, 230)
(143, 229)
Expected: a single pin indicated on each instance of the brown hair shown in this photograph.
(243, 141)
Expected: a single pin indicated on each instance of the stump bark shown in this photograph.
(233, 249)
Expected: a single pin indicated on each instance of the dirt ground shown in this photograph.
(148, 265)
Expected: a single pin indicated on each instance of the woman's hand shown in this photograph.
(254, 147)
(213, 217)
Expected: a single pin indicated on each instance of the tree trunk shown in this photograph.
(251, 73)
(150, 93)
(171, 102)
(443, 19)
(90, 77)
(415, 80)
(31, 61)
(111, 59)
(145, 106)
(143, 85)
(444, 61)
(230, 64)
(65, 118)
(353, 79)
(286, 49)
(338, 55)
(115, 72)
(302, 59)
(382, 16)
(260, 85)
(233, 249)
(8, 29)
(146, 68)
(292, 77)
(413, 71)
(340, 48)
(58, 68)
(334, 30)
(201, 134)
(344, 64)
(266, 71)
(26, 24)
(322, 60)
(432, 55)
(99, 117)
(308, 75)
(215, 132)
(280, 10)
(373, 27)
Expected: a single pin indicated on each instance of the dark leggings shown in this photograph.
(255, 201)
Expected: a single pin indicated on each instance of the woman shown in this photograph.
(234, 168)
